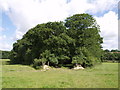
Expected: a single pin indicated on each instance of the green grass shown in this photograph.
(21, 76)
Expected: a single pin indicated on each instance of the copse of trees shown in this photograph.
(75, 41)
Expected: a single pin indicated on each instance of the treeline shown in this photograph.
(75, 41)
(5, 54)
(111, 55)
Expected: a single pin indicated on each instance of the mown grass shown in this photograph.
(21, 76)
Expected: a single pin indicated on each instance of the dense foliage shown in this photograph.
(5, 54)
(113, 55)
(75, 41)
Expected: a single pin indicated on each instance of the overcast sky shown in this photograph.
(18, 16)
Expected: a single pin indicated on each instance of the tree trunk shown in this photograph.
(43, 63)
(48, 63)
(76, 64)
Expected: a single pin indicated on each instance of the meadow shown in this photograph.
(104, 75)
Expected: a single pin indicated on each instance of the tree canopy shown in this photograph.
(75, 41)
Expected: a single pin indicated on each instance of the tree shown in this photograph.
(84, 29)
(75, 41)
(40, 41)
(106, 50)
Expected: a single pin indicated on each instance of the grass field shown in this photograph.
(21, 76)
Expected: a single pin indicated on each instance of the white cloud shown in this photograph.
(109, 29)
(78, 6)
(3, 44)
(28, 13)
(103, 5)
(2, 37)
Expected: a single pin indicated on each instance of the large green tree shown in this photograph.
(75, 41)
(85, 30)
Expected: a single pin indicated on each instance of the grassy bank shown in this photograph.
(21, 76)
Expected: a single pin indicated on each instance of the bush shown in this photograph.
(37, 63)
